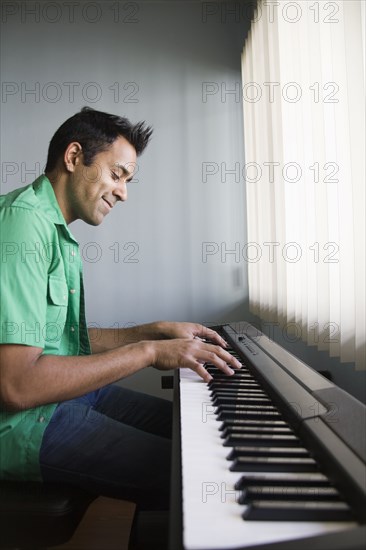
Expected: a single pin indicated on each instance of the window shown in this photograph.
(303, 69)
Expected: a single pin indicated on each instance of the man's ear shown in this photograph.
(72, 156)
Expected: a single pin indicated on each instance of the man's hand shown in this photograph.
(189, 330)
(192, 353)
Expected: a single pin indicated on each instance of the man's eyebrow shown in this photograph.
(124, 171)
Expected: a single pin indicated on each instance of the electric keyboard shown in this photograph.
(272, 457)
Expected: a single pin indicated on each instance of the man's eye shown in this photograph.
(115, 176)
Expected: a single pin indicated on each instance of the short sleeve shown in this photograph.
(24, 276)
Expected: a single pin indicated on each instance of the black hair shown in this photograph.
(95, 131)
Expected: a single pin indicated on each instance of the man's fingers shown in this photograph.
(215, 355)
(202, 372)
(220, 364)
(215, 337)
(227, 357)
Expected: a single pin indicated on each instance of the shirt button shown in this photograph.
(72, 252)
(72, 290)
(72, 329)
(41, 419)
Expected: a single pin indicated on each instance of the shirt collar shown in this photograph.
(48, 203)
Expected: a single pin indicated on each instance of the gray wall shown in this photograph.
(153, 61)
(149, 61)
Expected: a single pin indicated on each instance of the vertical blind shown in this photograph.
(303, 70)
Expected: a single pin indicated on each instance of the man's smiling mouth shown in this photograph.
(109, 205)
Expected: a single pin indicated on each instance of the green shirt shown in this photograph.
(42, 305)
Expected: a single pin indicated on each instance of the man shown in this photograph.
(62, 418)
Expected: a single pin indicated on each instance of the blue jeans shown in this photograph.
(113, 442)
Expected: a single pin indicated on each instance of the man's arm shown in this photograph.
(29, 378)
(103, 339)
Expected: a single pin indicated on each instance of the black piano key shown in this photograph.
(235, 378)
(242, 422)
(283, 479)
(238, 376)
(249, 391)
(245, 392)
(215, 371)
(235, 389)
(239, 400)
(224, 412)
(238, 407)
(263, 440)
(276, 492)
(273, 464)
(232, 399)
(211, 368)
(254, 430)
(249, 413)
(266, 415)
(232, 384)
(297, 511)
(242, 390)
(268, 451)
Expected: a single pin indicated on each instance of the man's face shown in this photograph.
(94, 190)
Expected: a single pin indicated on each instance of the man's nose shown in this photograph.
(120, 191)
